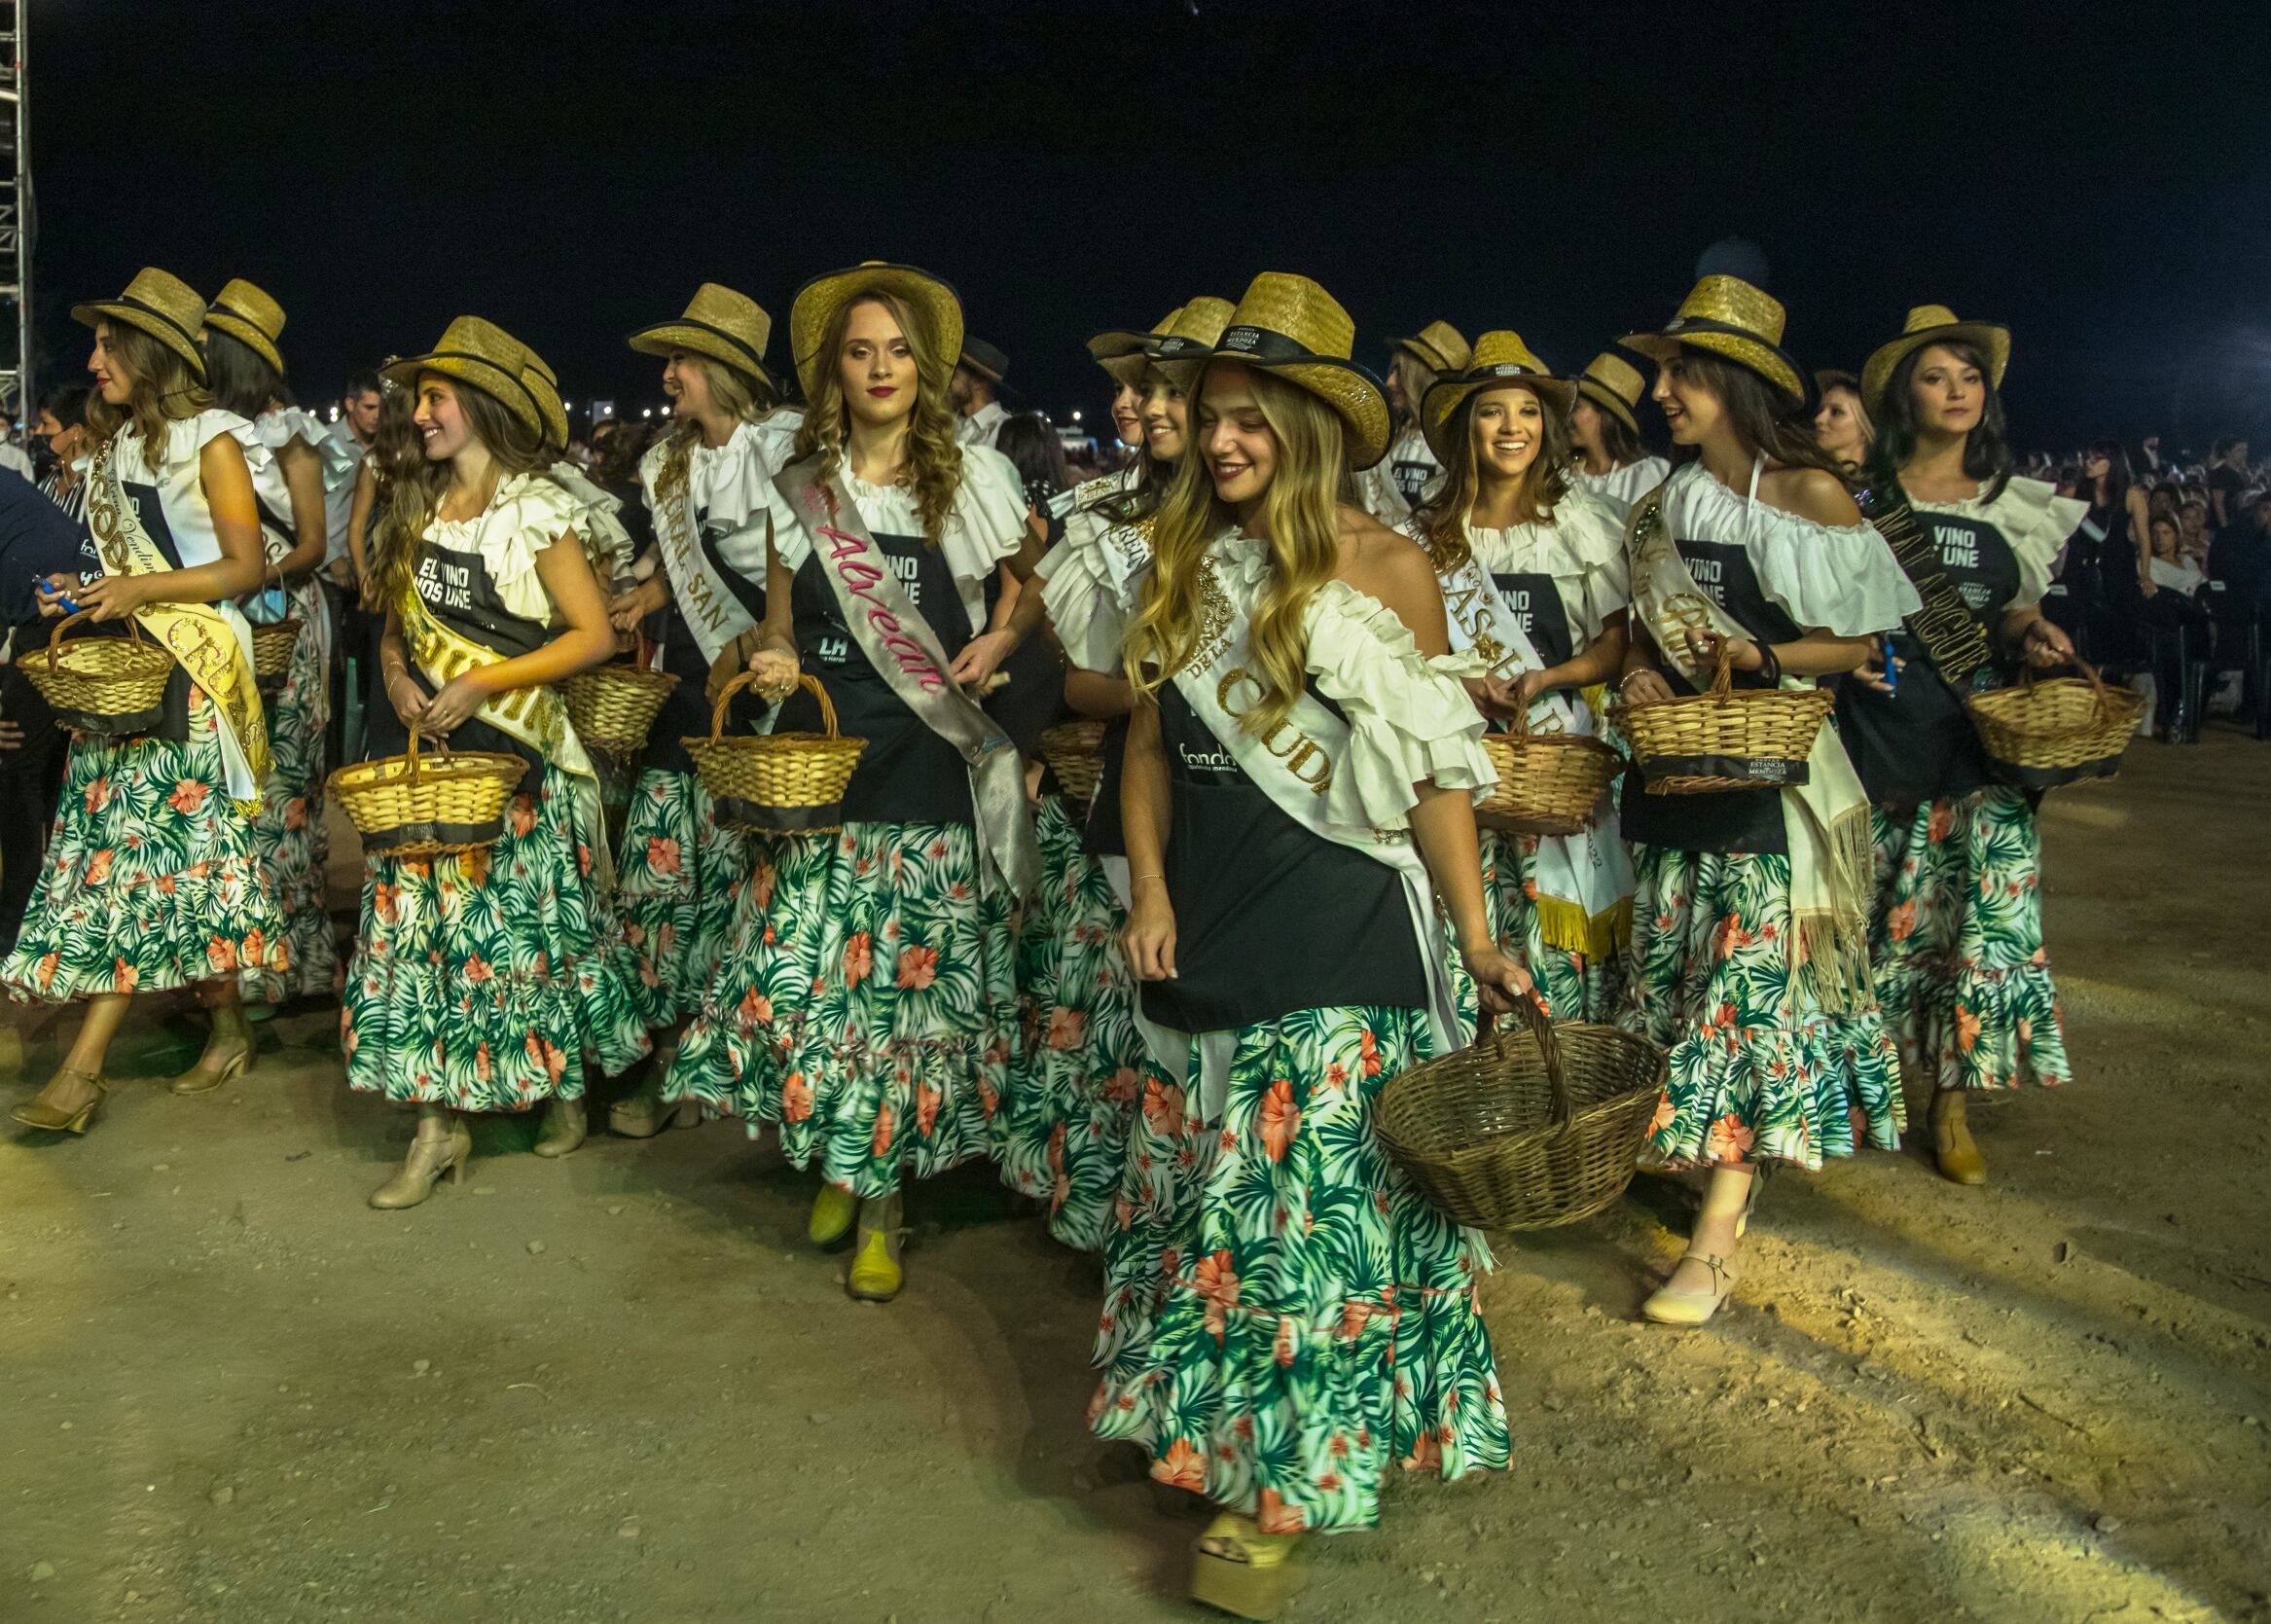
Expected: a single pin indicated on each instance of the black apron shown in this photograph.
(1538, 608)
(1105, 836)
(456, 590)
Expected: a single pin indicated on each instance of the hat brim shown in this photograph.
(1610, 401)
(1426, 353)
(143, 318)
(1121, 353)
(713, 344)
(491, 380)
(1442, 402)
(247, 334)
(1991, 339)
(818, 299)
(1358, 397)
(1753, 355)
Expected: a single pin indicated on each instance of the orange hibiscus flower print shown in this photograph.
(1272, 1515)
(188, 797)
(1182, 1467)
(795, 1098)
(124, 977)
(99, 866)
(663, 854)
(1729, 1140)
(926, 1103)
(1163, 1106)
(918, 968)
(887, 1124)
(1901, 923)
(523, 817)
(1066, 1027)
(858, 959)
(1216, 1280)
(756, 1008)
(1281, 1119)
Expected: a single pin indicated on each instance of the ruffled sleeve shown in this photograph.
(607, 542)
(1840, 578)
(192, 435)
(1409, 721)
(792, 543)
(530, 513)
(1590, 567)
(1084, 604)
(990, 514)
(2037, 522)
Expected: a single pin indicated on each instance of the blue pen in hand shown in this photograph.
(1892, 666)
(60, 597)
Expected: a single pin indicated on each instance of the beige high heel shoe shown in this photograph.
(198, 1079)
(566, 1125)
(644, 1114)
(1673, 1305)
(36, 1113)
(441, 1147)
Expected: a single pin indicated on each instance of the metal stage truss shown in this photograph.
(17, 224)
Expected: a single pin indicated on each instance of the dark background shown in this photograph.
(2095, 175)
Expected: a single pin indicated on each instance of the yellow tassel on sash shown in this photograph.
(1565, 924)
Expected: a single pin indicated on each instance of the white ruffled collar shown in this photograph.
(1706, 499)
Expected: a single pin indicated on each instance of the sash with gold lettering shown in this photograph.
(210, 641)
(906, 653)
(1585, 880)
(1301, 767)
(711, 610)
(1825, 820)
(536, 716)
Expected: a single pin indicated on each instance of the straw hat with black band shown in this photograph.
(157, 303)
(1290, 328)
(1727, 317)
(1616, 385)
(1498, 358)
(1191, 337)
(719, 324)
(246, 313)
(491, 359)
(935, 305)
(1437, 346)
(1935, 324)
(1121, 353)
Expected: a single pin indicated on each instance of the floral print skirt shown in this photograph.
(1957, 942)
(865, 1003)
(1063, 1132)
(677, 879)
(1756, 1073)
(150, 880)
(289, 834)
(1286, 1320)
(1575, 986)
(484, 981)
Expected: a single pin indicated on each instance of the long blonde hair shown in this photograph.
(1300, 512)
(934, 456)
(415, 495)
(743, 398)
(160, 391)
(1544, 483)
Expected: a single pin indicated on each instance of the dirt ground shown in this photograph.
(623, 1387)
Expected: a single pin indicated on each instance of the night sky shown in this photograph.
(2094, 175)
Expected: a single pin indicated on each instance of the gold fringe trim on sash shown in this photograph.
(1832, 948)
(1564, 924)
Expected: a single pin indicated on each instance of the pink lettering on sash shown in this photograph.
(860, 579)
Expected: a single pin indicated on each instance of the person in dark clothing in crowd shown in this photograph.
(2239, 579)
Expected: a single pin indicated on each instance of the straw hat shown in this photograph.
(1730, 319)
(500, 365)
(1121, 353)
(1438, 346)
(1291, 328)
(1498, 358)
(248, 314)
(1195, 331)
(935, 305)
(1933, 324)
(1614, 385)
(164, 306)
(719, 323)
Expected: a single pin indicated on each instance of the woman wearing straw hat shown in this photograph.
(1750, 956)
(1614, 463)
(1958, 939)
(1535, 590)
(1393, 486)
(865, 1002)
(705, 480)
(152, 880)
(1299, 785)
(481, 981)
(1067, 1135)
(244, 369)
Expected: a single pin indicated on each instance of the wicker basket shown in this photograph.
(1549, 783)
(780, 782)
(1725, 737)
(271, 654)
(429, 806)
(2039, 734)
(89, 681)
(1076, 753)
(613, 708)
(1529, 1128)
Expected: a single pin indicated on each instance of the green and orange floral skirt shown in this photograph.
(289, 835)
(677, 881)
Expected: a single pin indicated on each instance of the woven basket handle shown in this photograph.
(55, 636)
(1723, 668)
(748, 679)
(1549, 1049)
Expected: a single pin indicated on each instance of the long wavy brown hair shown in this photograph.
(1544, 483)
(160, 391)
(415, 494)
(1300, 510)
(739, 395)
(934, 456)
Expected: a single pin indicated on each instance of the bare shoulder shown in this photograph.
(1811, 493)
(1393, 569)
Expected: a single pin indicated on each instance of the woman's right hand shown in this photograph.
(1495, 697)
(775, 671)
(410, 701)
(628, 609)
(1149, 938)
(53, 589)
(1644, 685)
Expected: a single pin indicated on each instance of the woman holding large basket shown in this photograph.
(1749, 955)
(488, 966)
(866, 1001)
(1958, 942)
(1292, 1321)
(152, 881)
(1534, 588)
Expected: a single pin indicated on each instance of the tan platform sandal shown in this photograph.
(442, 1145)
(1241, 1570)
(38, 1112)
(1685, 1305)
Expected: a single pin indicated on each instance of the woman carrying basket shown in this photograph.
(484, 976)
(1068, 1132)
(1957, 936)
(1534, 588)
(152, 881)
(1291, 1320)
(1750, 954)
(681, 871)
(866, 1001)
(245, 370)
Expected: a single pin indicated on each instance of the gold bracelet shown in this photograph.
(1139, 880)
